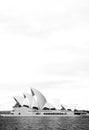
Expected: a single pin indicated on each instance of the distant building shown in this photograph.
(35, 104)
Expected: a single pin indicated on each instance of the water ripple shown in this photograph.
(44, 123)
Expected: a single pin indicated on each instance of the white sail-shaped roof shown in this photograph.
(62, 107)
(41, 100)
(34, 102)
(66, 107)
(48, 105)
(26, 102)
(19, 100)
(29, 97)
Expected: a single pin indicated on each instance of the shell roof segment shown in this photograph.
(29, 97)
(41, 100)
(19, 100)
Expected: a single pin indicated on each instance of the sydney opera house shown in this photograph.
(36, 104)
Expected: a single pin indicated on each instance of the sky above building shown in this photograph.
(45, 45)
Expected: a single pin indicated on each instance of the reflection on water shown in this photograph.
(45, 123)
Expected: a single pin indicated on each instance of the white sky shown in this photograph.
(45, 44)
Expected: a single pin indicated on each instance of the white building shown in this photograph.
(35, 104)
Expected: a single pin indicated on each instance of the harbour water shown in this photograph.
(45, 123)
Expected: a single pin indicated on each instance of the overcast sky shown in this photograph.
(45, 45)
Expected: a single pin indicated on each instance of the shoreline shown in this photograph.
(8, 115)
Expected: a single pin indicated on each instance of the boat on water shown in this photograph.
(37, 105)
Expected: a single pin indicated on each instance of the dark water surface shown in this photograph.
(45, 123)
